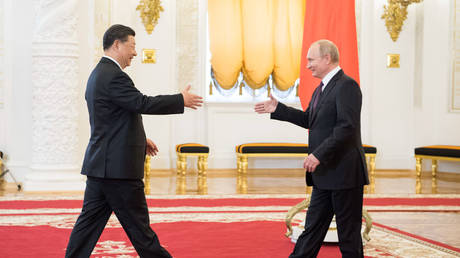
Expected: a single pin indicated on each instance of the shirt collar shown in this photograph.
(329, 76)
(115, 61)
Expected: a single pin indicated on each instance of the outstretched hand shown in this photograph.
(268, 106)
(191, 100)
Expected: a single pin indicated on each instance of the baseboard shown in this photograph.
(53, 179)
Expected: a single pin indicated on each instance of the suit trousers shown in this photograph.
(347, 206)
(126, 199)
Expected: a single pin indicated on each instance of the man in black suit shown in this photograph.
(336, 166)
(114, 158)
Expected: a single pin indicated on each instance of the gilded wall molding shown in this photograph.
(395, 14)
(150, 13)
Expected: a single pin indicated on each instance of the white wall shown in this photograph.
(434, 123)
(402, 108)
(16, 119)
(408, 106)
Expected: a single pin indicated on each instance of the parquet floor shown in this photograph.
(439, 226)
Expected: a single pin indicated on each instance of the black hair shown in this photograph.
(115, 32)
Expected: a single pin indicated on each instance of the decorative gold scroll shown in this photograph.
(395, 14)
(150, 13)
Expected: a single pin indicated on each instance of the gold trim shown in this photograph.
(436, 157)
(395, 14)
(304, 205)
(202, 165)
(148, 56)
(242, 161)
(150, 13)
(450, 147)
(147, 174)
(392, 60)
(434, 170)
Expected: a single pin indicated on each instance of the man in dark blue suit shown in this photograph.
(336, 166)
(114, 158)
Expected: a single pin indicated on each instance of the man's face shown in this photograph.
(127, 51)
(318, 65)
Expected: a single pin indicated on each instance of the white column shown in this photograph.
(54, 164)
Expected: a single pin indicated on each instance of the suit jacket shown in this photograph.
(335, 134)
(117, 146)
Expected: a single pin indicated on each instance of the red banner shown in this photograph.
(333, 20)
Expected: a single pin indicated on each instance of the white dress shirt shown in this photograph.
(329, 76)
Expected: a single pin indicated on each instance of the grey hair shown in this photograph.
(327, 47)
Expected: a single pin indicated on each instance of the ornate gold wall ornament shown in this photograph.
(393, 60)
(150, 13)
(148, 56)
(395, 14)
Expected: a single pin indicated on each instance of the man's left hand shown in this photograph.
(151, 148)
(310, 163)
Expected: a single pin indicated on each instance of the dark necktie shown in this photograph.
(319, 92)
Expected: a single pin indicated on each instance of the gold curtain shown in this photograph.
(287, 40)
(258, 59)
(226, 43)
(257, 37)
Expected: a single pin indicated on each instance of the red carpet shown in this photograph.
(198, 227)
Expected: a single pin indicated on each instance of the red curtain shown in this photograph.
(333, 20)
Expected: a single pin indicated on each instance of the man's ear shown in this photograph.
(328, 58)
(116, 44)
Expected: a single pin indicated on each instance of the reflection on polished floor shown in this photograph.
(438, 226)
(292, 181)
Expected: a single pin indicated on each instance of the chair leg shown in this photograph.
(178, 165)
(434, 167)
(434, 170)
(244, 164)
(372, 170)
(202, 174)
(147, 174)
(181, 164)
(418, 169)
(238, 163)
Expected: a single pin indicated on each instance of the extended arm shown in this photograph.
(124, 94)
(281, 112)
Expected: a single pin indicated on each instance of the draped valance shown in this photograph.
(255, 42)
